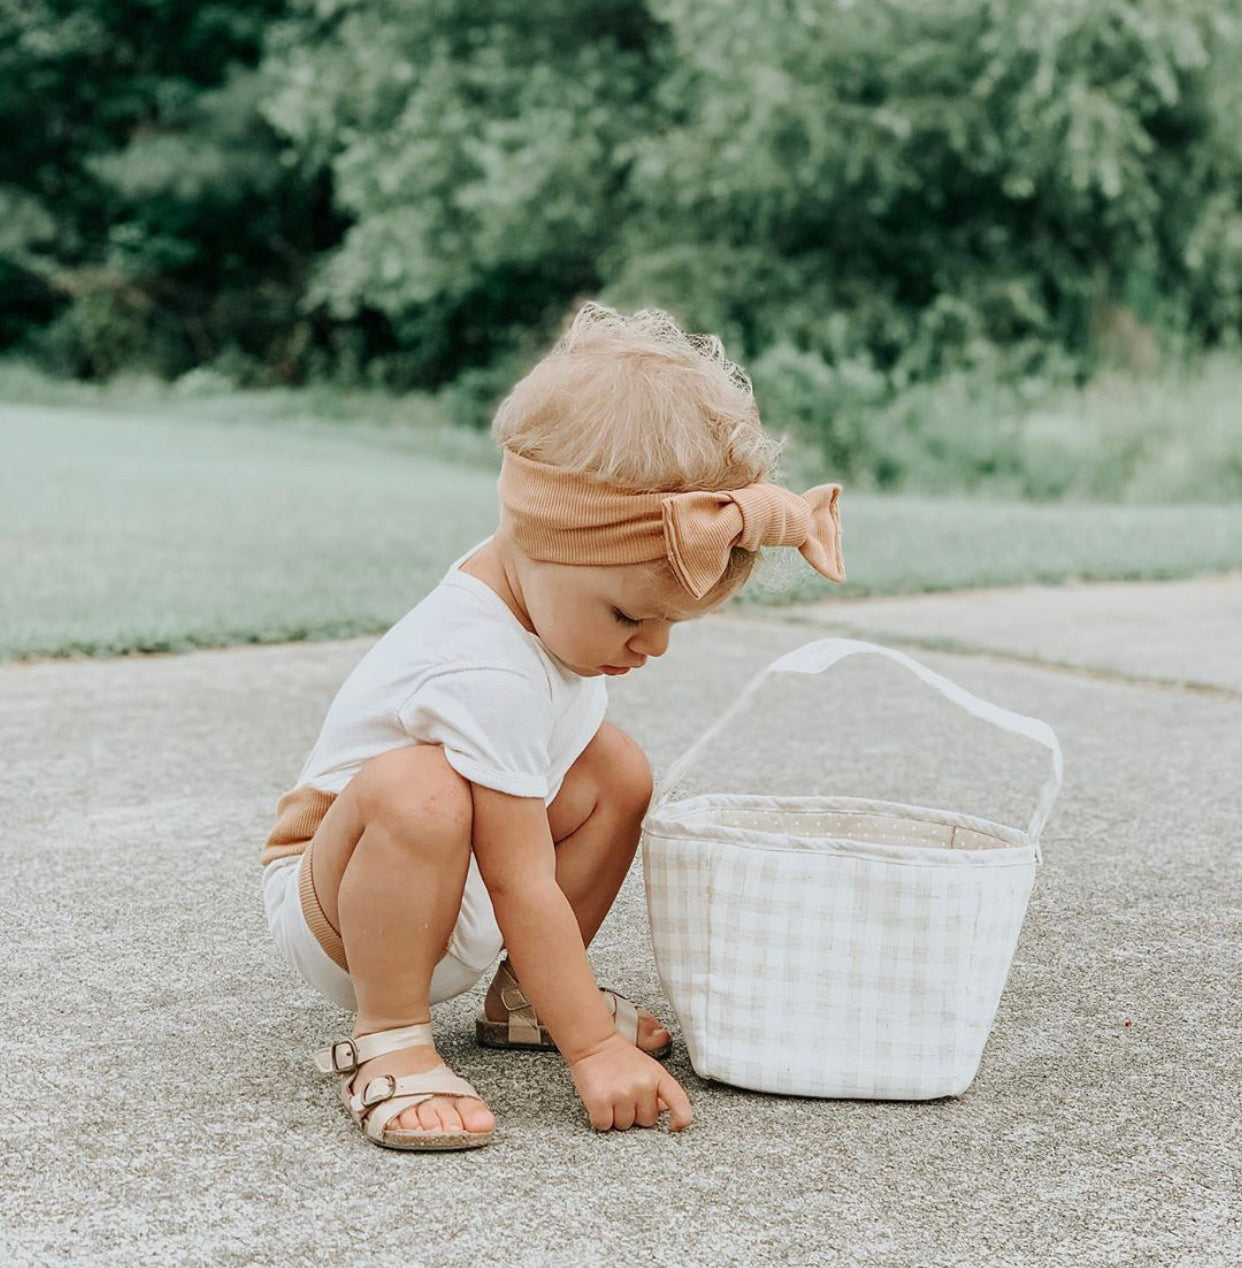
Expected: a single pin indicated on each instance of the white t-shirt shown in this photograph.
(459, 669)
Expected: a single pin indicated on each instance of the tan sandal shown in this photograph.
(522, 1028)
(394, 1093)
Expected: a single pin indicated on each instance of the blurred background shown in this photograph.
(267, 266)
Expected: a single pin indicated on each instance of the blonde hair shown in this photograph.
(640, 403)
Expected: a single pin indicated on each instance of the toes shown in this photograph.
(650, 1033)
(475, 1116)
(443, 1115)
(450, 1119)
(407, 1120)
(429, 1116)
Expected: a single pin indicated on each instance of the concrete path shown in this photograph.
(1186, 633)
(160, 1105)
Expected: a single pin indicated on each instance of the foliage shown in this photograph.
(475, 145)
(926, 179)
(155, 222)
(873, 204)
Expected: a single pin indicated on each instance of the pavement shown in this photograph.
(1184, 633)
(161, 1107)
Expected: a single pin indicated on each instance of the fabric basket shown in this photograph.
(838, 946)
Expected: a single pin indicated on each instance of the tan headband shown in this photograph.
(569, 519)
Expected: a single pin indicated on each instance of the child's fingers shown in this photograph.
(623, 1114)
(647, 1109)
(599, 1111)
(673, 1099)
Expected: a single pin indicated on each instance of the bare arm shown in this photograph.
(517, 860)
(619, 1084)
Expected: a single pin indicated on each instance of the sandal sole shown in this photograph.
(413, 1142)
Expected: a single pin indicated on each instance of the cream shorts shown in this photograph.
(472, 949)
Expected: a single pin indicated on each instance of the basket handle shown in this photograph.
(814, 658)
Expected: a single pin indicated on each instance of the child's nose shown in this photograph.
(650, 642)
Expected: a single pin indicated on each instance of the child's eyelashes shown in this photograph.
(625, 620)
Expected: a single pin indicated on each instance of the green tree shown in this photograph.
(918, 184)
(856, 196)
(476, 146)
(150, 219)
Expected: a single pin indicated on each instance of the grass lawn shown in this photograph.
(168, 528)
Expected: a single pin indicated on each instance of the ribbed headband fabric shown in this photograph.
(564, 518)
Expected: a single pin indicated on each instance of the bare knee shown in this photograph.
(417, 798)
(625, 774)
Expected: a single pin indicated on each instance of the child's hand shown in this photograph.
(620, 1086)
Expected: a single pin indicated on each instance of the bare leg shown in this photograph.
(594, 860)
(390, 862)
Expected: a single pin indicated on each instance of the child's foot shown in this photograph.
(441, 1113)
(651, 1035)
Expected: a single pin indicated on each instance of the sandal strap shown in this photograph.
(524, 1025)
(624, 1014)
(346, 1055)
(397, 1094)
(438, 1081)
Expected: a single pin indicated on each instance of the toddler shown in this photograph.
(466, 794)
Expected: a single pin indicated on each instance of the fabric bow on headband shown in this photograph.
(567, 518)
(700, 529)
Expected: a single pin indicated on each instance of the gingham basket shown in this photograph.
(838, 946)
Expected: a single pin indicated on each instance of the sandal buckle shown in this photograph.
(390, 1091)
(513, 999)
(337, 1066)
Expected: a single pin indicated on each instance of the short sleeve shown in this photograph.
(495, 725)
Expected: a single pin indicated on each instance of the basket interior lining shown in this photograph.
(880, 829)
